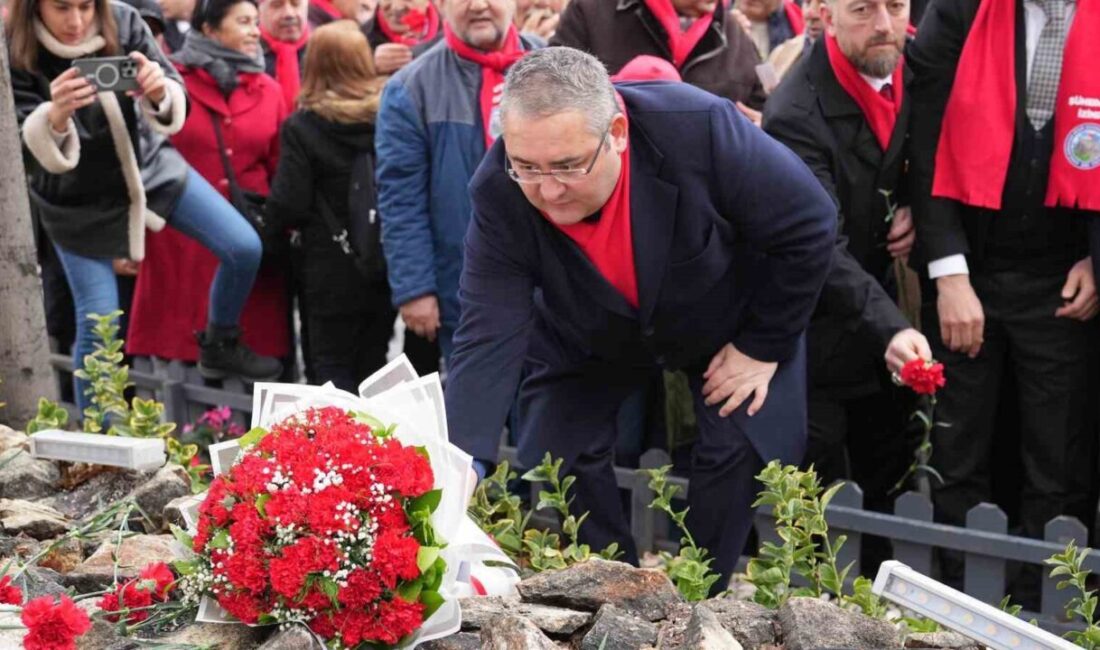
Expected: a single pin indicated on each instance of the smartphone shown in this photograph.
(109, 73)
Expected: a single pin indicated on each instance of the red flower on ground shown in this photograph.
(162, 575)
(924, 377)
(9, 593)
(53, 626)
(130, 596)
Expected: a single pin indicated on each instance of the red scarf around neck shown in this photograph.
(493, 66)
(608, 242)
(881, 114)
(286, 64)
(416, 34)
(979, 124)
(680, 42)
(794, 17)
(327, 7)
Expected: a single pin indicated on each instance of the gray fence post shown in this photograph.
(851, 496)
(914, 505)
(642, 517)
(175, 403)
(984, 576)
(1059, 530)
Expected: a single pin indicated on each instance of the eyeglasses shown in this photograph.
(531, 175)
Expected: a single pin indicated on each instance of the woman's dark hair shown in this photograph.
(23, 46)
(212, 12)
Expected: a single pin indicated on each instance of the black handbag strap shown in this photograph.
(235, 194)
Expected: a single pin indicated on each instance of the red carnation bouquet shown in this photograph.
(323, 520)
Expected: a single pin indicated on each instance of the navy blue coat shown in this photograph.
(732, 241)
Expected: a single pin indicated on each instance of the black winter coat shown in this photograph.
(87, 208)
(855, 317)
(315, 159)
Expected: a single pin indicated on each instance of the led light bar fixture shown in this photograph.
(964, 614)
(99, 449)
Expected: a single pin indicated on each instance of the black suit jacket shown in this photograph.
(732, 238)
(855, 318)
(944, 226)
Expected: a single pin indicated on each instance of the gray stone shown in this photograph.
(292, 638)
(705, 632)
(941, 641)
(101, 491)
(12, 439)
(647, 593)
(36, 581)
(24, 477)
(754, 626)
(809, 624)
(480, 611)
(170, 482)
(173, 511)
(98, 571)
(64, 557)
(31, 519)
(615, 629)
(218, 635)
(460, 641)
(512, 632)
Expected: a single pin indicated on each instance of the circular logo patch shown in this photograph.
(1083, 146)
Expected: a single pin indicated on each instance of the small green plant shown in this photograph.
(542, 545)
(502, 516)
(690, 569)
(798, 504)
(108, 379)
(1082, 606)
(51, 415)
(499, 512)
(865, 600)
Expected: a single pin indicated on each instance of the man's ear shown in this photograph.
(617, 134)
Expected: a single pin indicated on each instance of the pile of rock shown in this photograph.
(598, 605)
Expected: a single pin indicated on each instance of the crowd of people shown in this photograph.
(786, 200)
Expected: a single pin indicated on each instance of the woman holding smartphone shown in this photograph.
(85, 179)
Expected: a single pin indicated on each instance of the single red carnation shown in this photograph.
(162, 576)
(129, 596)
(363, 588)
(399, 618)
(53, 626)
(924, 377)
(246, 571)
(415, 20)
(395, 558)
(243, 606)
(307, 555)
(9, 593)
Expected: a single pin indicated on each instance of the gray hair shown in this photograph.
(553, 80)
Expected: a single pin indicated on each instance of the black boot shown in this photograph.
(222, 355)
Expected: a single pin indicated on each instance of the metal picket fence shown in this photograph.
(984, 541)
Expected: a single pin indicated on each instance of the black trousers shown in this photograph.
(1051, 361)
(345, 348)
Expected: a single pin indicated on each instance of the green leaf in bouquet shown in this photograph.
(426, 557)
(428, 501)
(252, 438)
(182, 537)
(330, 589)
(220, 540)
(374, 423)
(185, 567)
(266, 619)
(410, 591)
(432, 601)
(261, 503)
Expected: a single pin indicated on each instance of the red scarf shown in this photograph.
(286, 64)
(980, 121)
(415, 21)
(681, 43)
(327, 7)
(493, 66)
(608, 241)
(881, 114)
(794, 17)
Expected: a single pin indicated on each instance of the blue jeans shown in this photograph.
(205, 216)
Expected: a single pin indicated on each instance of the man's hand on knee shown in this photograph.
(734, 376)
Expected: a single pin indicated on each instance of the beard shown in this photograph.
(880, 64)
